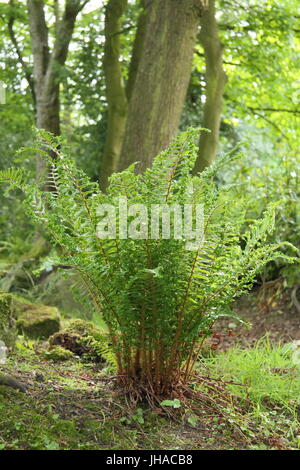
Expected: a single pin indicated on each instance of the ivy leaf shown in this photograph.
(172, 403)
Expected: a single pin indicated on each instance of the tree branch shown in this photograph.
(65, 30)
(200, 54)
(81, 7)
(137, 49)
(269, 121)
(64, 34)
(275, 110)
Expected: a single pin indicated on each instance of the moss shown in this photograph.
(57, 354)
(84, 328)
(39, 321)
(5, 309)
(7, 323)
(21, 304)
(85, 340)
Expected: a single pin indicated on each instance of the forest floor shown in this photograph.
(268, 311)
(75, 405)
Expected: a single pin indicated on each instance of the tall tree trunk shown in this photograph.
(115, 90)
(118, 95)
(162, 79)
(215, 84)
(137, 49)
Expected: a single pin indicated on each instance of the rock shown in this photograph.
(77, 326)
(38, 321)
(8, 331)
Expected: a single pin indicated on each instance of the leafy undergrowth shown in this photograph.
(75, 405)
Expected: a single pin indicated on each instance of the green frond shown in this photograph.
(15, 177)
(155, 296)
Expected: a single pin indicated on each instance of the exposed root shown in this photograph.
(207, 398)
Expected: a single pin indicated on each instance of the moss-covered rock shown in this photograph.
(22, 305)
(7, 322)
(38, 321)
(71, 342)
(57, 354)
(85, 340)
(82, 328)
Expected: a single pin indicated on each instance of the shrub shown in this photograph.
(158, 298)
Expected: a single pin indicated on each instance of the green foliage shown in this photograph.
(268, 372)
(269, 177)
(157, 297)
(173, 403)
(269, 379)
(99, 348)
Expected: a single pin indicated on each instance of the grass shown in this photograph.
(269, 379)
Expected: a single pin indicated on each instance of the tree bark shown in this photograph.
(137, 49)
(161, 81)
(115, 90)
(215, 84)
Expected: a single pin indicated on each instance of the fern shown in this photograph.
(158, 299)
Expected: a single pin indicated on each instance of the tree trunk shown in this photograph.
(137, 49)
(115, 90)
(161, 81)
(215, 84)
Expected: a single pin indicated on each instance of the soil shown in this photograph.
(268, 311)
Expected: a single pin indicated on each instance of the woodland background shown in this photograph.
(116, 81)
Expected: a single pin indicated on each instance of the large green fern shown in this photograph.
(157, 298)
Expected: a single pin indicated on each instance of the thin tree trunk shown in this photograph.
(162, 79)
(215, 84)
(115, 90)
